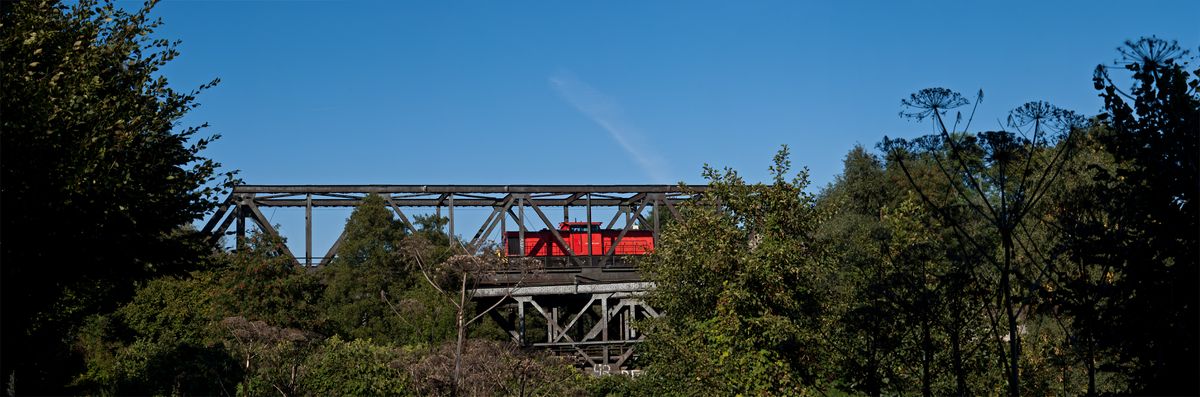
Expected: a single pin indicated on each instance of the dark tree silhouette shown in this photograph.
(1135, 224)
(1000, 177)
(97, 176)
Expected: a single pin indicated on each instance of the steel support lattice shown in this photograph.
(594, 324)
(586, 303)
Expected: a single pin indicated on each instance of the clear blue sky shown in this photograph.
(341, 92)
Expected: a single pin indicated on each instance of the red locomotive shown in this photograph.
(575, 234)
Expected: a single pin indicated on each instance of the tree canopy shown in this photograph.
(99, 177)
(1135, 220)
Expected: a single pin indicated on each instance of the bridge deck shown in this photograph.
(565, 275)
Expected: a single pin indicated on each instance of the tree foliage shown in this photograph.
(490, 368)
(1132, 228)
(908, 320)
(742, 282)
(94, 161)
(162, 342)
(1001, 179)
(356, 368)
(372, 287)
(263, 283)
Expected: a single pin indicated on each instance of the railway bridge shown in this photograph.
(580, 304)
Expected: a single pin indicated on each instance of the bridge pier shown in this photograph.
(593, 324)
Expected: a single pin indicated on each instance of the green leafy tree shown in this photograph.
(170, 339)
(270, 357)
(355, 368)
(373, 288)
(269, 315)
(368, 268)
(262, 282)
(97, 175)
(908, 318)
(1084, 286)
(867, 339)
(162, 342)
(742, 286)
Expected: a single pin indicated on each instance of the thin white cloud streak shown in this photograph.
(606, 113)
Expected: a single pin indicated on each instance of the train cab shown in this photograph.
(578, 237)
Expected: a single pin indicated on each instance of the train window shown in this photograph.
(584, 228)
(514, 246)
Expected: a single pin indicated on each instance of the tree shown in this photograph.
(170, 340)
(165, 341)
(370, 266)
(262, 282)
(1134, 229)
(905, 296)
(355, 368)
(380, 285)
(491, 368)
(743, 287)
(455, 280)
(1001, 177)
(97, 175)
(869, 343)
(1081, 286)
(270, 357)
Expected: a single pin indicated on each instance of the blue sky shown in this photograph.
(349, 92)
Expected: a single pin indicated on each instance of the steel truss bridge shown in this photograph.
(581, 306)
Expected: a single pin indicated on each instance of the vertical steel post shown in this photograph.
(241, 226)
(628, 222)
(452, 220)
(521, 221)
(604, 319)
(552, 325)
(604, 327)
(308, 230)
(656, 212)
(504, 234)
(625, 322)
(589, 229)
(521, 316)
(633, 317)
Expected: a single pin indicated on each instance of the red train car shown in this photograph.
(575, 234)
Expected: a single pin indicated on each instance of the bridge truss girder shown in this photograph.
(587, 307)
(519, 204)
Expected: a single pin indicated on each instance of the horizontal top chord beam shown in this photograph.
(434, 189)
(434, 203)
